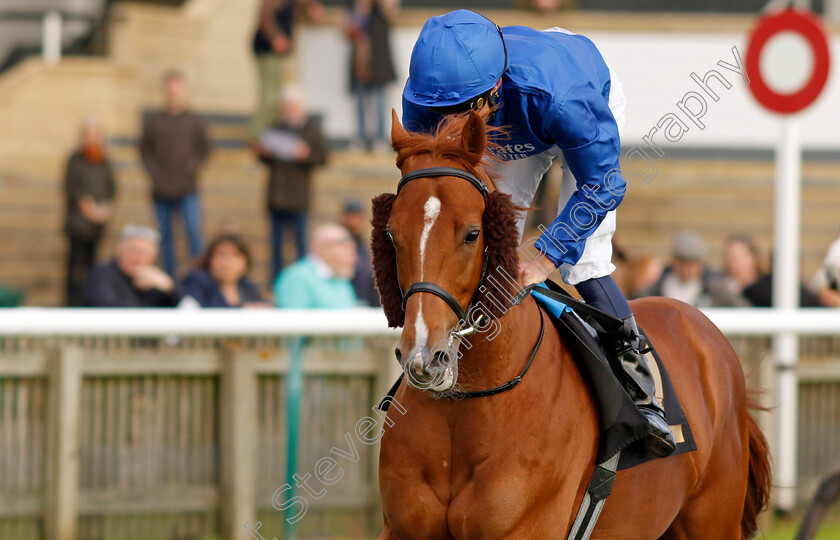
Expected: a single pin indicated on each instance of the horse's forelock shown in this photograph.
(445, 144)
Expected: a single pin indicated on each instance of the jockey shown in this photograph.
(559, 99)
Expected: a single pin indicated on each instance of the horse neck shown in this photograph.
(490, 361)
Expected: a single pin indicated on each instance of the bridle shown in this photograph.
(426, 286)
(437, 290)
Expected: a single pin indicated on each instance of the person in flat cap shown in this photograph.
(689, 279)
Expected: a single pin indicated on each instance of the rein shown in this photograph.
(514, 381)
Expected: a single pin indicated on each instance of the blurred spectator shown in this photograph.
(742, 264)
(132, 279)
(272, 45)
(688, 278)
(291, 149)
(89, 192)
(355, 220)
(544, 5)
(11, 296)
(642, 273)
(826, 282)
(221, 280)
(760, 294)
(371, 68)
(173, 146)
(746, 279)
(322, 278)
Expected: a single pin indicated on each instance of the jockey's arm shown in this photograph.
(585, 130)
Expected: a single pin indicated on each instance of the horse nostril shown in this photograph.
(442, 358)
(398, 354)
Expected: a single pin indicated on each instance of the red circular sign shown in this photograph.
(807, 25)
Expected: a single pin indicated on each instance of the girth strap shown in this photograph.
(599, 488)
(425, 286)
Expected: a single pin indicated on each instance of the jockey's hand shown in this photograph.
(532, 272)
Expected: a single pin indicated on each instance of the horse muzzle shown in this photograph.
(426, 370)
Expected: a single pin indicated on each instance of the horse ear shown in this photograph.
(384, 259)
(398, 132)
(474, 134)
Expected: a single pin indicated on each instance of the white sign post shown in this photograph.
(786, 234)
(784, 84)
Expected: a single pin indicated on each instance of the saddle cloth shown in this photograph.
(622, 425)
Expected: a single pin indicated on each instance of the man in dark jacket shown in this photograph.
(291, 149)
(132, 280)
(355, 220)
(174, 145)
(89, 193)
(272, 46)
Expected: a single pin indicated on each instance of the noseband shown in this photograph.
(426, 286)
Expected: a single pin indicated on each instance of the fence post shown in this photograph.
(238, 418)
(64, 373)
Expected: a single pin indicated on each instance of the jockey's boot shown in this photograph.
(633, 353)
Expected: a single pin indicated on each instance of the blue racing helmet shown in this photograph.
(457, 57)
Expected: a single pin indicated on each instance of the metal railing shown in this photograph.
(110, 414)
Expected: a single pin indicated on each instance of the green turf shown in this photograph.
(785, 528)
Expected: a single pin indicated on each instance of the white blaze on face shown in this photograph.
(431, 211)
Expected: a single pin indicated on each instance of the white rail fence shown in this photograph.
(129, 413)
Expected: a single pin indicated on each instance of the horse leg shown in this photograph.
(716, 507)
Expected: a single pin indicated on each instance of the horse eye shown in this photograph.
(390, 237)
(472, 237)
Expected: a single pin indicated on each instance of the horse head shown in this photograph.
(438, 244)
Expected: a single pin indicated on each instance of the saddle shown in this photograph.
(622, 425)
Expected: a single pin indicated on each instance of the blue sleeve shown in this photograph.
(583, 126)
(416, 118)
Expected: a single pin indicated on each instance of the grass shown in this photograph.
(785, 528)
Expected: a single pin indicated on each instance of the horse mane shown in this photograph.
(501, 236)
(445, 144)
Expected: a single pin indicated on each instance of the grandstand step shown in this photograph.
(715, 198)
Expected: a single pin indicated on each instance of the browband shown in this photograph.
(444, 171)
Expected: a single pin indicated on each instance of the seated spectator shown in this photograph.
(291, 149)
(760, 294)
(11, 296)
(89, 190)
(221, 280)
(132, 280)
(688, 278)
(355, 220)
(746, 280)
(642, 273)
(826, 282)
(742, 263)
(322, 278)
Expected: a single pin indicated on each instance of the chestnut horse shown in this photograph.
(516, 464)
